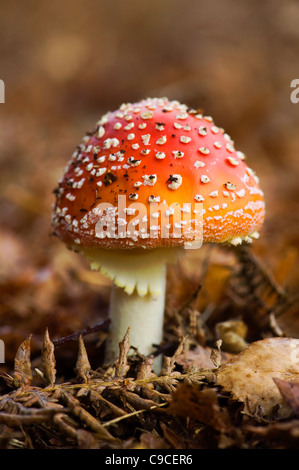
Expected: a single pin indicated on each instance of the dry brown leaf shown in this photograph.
(48, 360)
(216, 354)
(199, 358)
(202, 405)
(83, 367)
(232, 333)
(290, 392)
(121, 366)
(249, 375)
(22, 365)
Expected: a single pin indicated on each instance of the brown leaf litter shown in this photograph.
(219, 388)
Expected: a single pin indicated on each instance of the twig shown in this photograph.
(134, 413)
(86, 331)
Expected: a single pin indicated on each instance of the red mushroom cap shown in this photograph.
(157, 151)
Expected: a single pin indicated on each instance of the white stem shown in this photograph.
(143, 315)
(138, 295)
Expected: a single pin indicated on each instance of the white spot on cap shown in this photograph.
(240, 193)
(108, 143)
(218, 145)
(101, 171)
(182, 116)
(205, 179)
(147, 115)
(178, 154)
(129, 126)
(230, 148)
(149, 180)
(146, 139)
(154, 198)
(133, 162)
(199, 198)
(202, 130)
(204, 150)
(241, 155)
(233, 161)
(101, 132)
(117, 125)
(162, 140)
(160, 155)
(214, 194)
(184, 139)
(175, 181)
(230, 186)
(131, 136)
(199, 164)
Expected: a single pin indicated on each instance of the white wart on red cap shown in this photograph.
(158, 150)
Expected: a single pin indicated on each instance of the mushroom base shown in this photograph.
(142, 315)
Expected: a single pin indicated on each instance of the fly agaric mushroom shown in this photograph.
(154, 153)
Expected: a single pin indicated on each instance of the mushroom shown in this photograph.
(125, 197)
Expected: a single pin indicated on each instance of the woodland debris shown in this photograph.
(249, 377)
(232, 334)
(83, 366)
(48, 360)
(22, 365)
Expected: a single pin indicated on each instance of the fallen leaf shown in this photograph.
(22, 367)
(202, 405)
(83, 367)
(232, 333)
(199, 357)
(48, 360)
(248, 376)
(290, 392)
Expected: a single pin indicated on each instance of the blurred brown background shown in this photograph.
(66, 63)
